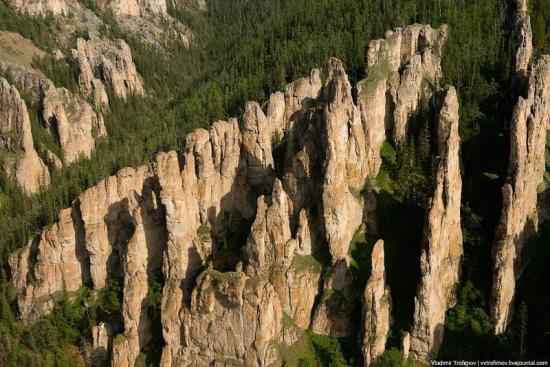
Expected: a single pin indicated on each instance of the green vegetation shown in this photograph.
(313, 350)
(302, 262)
(58, 71)
(394, 358)
(41, 31)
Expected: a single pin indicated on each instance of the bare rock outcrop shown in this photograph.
(273, 254)
(73, 121)
(296, 170)
(401, 70)
(53, 262)
(134, 7)
(231, 317)
(377, 305)
(22, 163)
(344, 177)
(524, 39)
(114, 61)
(141, 257)
(441, 249)
(519, 215)
(89, 85)
(100, 343)
(105, 210)
(42, 7)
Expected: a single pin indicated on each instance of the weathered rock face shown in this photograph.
(400, 69)
(28, 80)
(333, 314)
(345, 152)
(519, 216)
(68, 117)
(273, 254)
(23, 165)
(54, 261)
(41, 7)
(141, 257)
(105, 210)
(296, 171)
(134, 7)
(441, 250)
(377, 305)
(114, 61)
(524, 39)
(73, 121)
(231, 317)
(100, 343)
(90, 86)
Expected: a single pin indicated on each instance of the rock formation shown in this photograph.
(441, 249)
(67, 116)
(53, 262)
(377, 306)
(73, 121)
(401, 70)
(100, 343)
(90, 86)
(114, 61)
(519, 215)
(345, 152)
(42, 7)
(134, 7)
(232, 317)
(274, 254)
(23, 164)
(296, 171)
(524, 39)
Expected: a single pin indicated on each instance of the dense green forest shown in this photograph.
(246, 50)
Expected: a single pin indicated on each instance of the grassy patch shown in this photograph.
(376, 73)
(312, 350)
(306, 263)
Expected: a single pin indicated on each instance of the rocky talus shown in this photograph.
(441, 248)
(377, 305)
(23, 164)
(292, 174)
(519, 215)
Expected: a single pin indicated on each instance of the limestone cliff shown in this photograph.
(402, 69)
(293, 173)
(519, 215)
(377, 304)
(73, 121)
(42, 7)
(114, 61)
(274, 254)
(524, 39)
(53, 262)
(66, 115)
(441, 249)
(22, 163)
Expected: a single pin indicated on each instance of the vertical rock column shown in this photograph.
(441, 250)
(519, 216)
(377, 305)
(26, 168)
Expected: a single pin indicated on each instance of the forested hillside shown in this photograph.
(246, 50)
